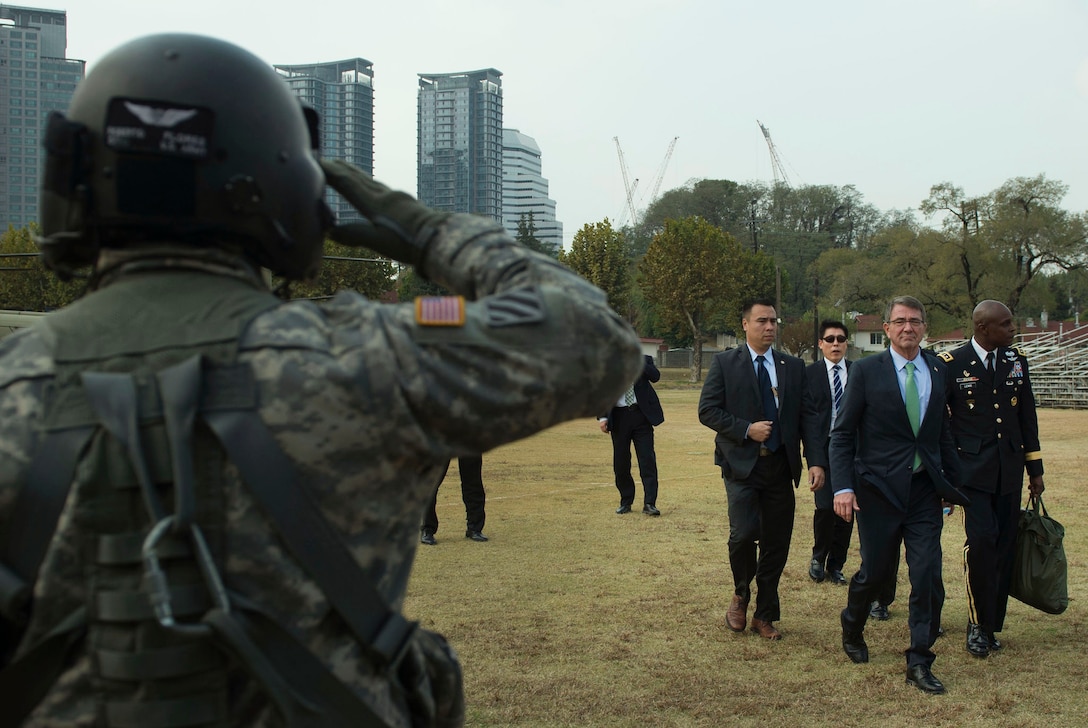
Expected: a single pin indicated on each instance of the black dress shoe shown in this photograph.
(816, 571)
(920, 677)
(977, 642)
(475, 535)
(427, 537)
(995, 643)
(624, 508)
(650, 510)
(853, 644)
(835, 577)
(879, 612)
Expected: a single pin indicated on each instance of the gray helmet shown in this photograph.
(189, 139)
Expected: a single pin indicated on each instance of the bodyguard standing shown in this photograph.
(893, 462)
(996, 432)
(632, 420)
(752, 399)
(824, 394)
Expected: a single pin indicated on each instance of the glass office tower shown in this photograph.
(525, 190)
(342, 93)
(459, 149)
(35, 79)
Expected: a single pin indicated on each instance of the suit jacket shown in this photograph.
(873, 437)
(994, 425)
(817, 407)
(731, 400)
(645, 395)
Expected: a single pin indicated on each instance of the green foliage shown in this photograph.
(364, 272)
(527, 236)
(694, 275)
(598, 253)
(25, 283)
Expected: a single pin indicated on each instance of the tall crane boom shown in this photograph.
(661, 170)
(777, 169)
(628, 188)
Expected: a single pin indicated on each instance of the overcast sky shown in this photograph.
(891, 97)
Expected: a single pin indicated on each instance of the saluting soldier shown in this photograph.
(179, 397)
(997, 435)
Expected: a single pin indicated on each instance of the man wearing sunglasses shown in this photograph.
(824, 396)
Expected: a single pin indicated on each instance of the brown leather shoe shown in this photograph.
(765, 630)
(737, 616)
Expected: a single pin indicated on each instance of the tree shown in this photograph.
(1030, 232)
(961, 224)
(346, 268)
(599, 254)
(694, 273)
(527, 235)
(25, 283)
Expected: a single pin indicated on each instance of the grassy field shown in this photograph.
(574, 616)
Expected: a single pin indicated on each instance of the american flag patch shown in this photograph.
(440, 311)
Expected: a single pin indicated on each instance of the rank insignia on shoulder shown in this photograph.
(440, 311)
(1020, 350)
(946, 356)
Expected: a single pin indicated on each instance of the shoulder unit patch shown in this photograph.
(440, 311)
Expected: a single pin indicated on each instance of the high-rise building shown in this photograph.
(525, 190)
(35, 79)
(342, 93)
(459, 149)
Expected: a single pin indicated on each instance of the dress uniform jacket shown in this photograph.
(994, 423)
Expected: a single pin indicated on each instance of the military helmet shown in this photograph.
(184, 138)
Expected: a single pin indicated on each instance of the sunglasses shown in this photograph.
(835, 339)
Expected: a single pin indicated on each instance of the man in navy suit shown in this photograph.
(752, 398)
(632, 420)
(826, 385)
(893, 462)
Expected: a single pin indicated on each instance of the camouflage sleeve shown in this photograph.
(531, 345)
(539, 344)
(25, 366)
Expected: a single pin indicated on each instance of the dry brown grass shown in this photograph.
(574, 616)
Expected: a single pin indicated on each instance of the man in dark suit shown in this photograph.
(997, 435)
(470, 468)
(893, 462)
(632, 420)
(752, 398)
(826, 381)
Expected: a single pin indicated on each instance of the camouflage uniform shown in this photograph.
(369, 404)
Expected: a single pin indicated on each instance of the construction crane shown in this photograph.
(628, 188)
(661, 170)
(777, 169)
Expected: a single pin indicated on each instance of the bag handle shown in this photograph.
(1035, 502)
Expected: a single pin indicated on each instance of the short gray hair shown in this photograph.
(909, 302)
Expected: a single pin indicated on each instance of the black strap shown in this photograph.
(306, 693)
(25, 682)
(269, 474)
(33, 518)
(190, 711)
(155, 664)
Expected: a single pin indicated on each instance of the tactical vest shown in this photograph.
(144, 417)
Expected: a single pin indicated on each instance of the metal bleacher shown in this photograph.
(1058, 363)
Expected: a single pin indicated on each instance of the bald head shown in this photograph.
(993, 325)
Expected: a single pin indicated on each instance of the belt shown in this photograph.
(764, 452)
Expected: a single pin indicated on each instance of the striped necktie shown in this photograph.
(837, 388)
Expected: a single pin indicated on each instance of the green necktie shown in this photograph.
(914, 413)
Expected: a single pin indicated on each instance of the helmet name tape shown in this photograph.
(159, 127)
